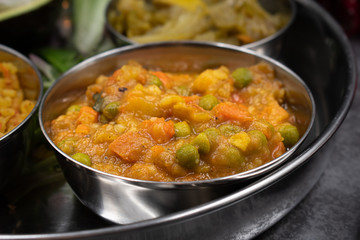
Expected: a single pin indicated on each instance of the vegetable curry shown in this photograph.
(14, 108)
(236, 22)
(165, 126)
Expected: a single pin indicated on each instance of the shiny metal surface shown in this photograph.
(326, 63)
(269, 46)
(14, 146)
(123, 200)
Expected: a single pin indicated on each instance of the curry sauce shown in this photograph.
(166, 126)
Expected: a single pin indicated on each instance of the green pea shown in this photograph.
(182, 90)
(98, 102)
(242, 77)
(154, 80)
(264, 126)
(103, 119)
(182, 129)
(67, 145)
(111, 110)
(73, 108)
(258, 140)
(234, 156)
(212, 134)
(229, 129)
(82, 158)
(202, 142)
(188, 156)
(290, 134)
(207, 102)
(231, 157)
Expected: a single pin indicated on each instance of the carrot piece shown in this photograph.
(231, 111)
(245, 38)
(191, 99)
(5, 71)
(164, 78)
(156, 151)
(130, 146)
(169, 130)
(82, 128)
(159, 129)
(114, 77)
(87, 115)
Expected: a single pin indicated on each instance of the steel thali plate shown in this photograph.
(318, 51)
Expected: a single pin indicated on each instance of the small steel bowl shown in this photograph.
(124, 200)
(269, 46)
(14, 146)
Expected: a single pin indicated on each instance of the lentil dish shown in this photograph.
(14, 108)
(161, 126)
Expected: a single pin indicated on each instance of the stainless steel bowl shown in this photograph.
(14, 145)
(269, 46)
(124, 200)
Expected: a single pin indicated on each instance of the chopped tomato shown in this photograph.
(87, 115)
(82, 128)
(166, 81)
(233, 112)
(130, 146)
(159, 129)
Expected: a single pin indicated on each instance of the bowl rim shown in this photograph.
(22, 57)
(173, 184)
(258, 43)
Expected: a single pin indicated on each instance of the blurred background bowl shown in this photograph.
(118, 25)
(14, 146)
(123, 200)
(28, 24)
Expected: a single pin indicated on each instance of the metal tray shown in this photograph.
(315, 48)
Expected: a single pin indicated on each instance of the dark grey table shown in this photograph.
(332, 208)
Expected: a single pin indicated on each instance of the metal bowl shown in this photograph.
(270, 45)
(14, 145)
(125, 200)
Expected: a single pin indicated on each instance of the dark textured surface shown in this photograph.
(332, 209)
